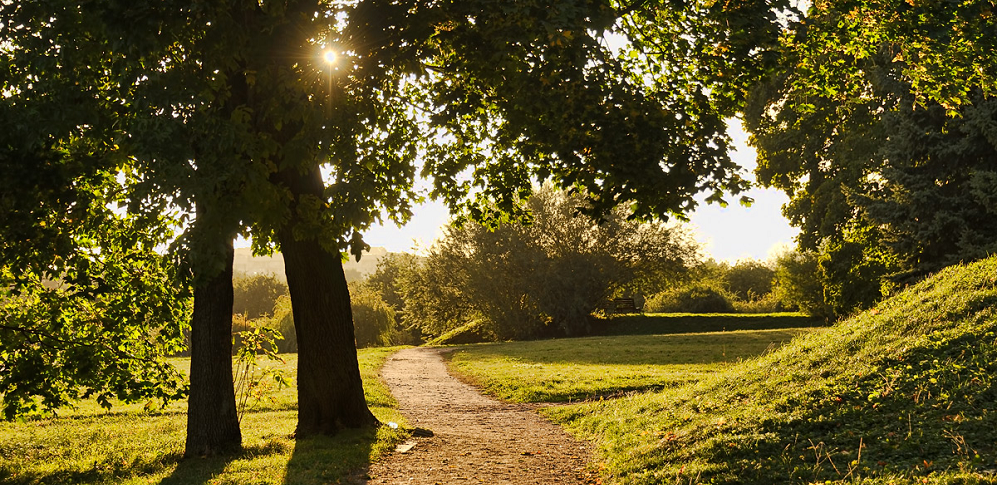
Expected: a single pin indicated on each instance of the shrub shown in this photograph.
(749, 280)
(770, 303)
(255, 296)
(281, 319)
(373, 319)
(696, 298)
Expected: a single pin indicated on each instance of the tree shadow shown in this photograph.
(687, 349)
(344, 458)
(201, 470)
(657, 324)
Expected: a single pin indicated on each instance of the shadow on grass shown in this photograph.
(343, 458)
(701, 349)
(201, 470)
(671, 323)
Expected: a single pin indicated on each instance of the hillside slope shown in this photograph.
(903, 393)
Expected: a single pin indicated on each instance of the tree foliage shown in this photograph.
(102, 332)
(933, 202)
(391, 277)
(374, 320)
(798, 283)
(543, 277)
(862, 125)
(256, 296)
(749, 279)
(89, 309)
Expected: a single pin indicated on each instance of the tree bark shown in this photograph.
(330, 392)
(212, 420)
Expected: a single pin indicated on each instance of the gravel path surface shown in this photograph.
(476, 439)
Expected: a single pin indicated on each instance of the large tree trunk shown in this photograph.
(330, 392)
(212, 421)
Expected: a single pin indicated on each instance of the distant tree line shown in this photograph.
(262, 300)
(541, 277)
(556, 273)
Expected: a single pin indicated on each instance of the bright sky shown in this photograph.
(729, 233)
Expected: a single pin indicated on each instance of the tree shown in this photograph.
(134, 99)
(373, 319)
(798, 283)
(89, 309)
(391, 276)
(223, 110)
(933, 202)
(545, 276)
(844, 129)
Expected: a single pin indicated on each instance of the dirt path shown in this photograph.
(476, 439)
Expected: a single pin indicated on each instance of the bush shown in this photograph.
(374, 322)
(770, 303)
(255, 296)
(281, 319)
(696, 298)
(749, 280)
(373, 319)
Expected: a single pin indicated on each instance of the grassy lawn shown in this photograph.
(580, 368)
(130, 445)
(902, 394)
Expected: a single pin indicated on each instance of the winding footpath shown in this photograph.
(475, 439)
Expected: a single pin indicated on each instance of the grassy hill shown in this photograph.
(903, 393)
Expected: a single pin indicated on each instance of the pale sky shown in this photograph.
(729, 233)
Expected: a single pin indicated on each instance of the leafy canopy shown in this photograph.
(171, 108)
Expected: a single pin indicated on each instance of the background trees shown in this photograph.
(256, 296)
(544, 277)
(853, 126)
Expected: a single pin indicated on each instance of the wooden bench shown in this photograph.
(624, 305)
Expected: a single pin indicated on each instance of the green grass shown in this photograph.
(131, 446)
(581, 368)
(901, 394)
(660, 323)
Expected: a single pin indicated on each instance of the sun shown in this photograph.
(329, 56)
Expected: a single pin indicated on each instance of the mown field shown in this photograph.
(901, 394)
(130, 445)
(593, 367)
